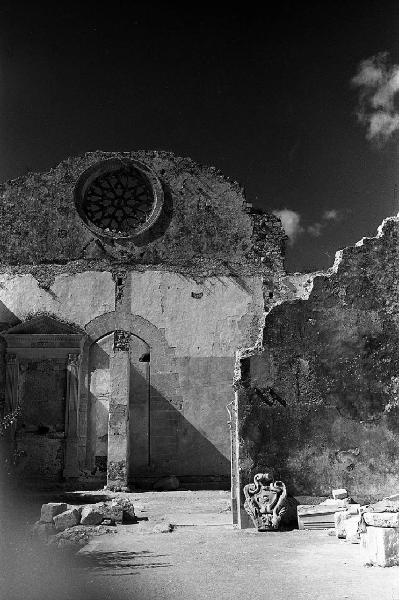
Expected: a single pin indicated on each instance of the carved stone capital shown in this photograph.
(74, 360)
(11, 359)
(121, 341)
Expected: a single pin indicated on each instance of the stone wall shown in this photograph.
(204, 227)
(320, 403)
(192, 289)
(203, 324)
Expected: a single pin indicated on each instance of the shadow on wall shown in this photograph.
(162, 440)
(177, 447)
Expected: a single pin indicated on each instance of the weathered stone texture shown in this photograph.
(320, 404)
(50, 510)
(69, 518)
(203, 219)
(380, 546)
(214, 325)
(92, 514)
(384, 519)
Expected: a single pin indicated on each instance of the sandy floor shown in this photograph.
(204, 557)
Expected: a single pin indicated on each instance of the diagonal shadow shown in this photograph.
(163, 437)
(121, 561)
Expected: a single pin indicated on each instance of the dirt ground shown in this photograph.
(203, 557)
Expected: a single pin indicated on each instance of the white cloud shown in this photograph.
(315, 229)
(291, 222)
(331, 215)
(378, 84)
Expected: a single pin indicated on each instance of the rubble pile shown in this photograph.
(65, 525)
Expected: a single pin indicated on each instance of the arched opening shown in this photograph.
(101, 376)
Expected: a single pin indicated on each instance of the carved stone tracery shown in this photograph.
(119, 201)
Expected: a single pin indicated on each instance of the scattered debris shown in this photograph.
(72, 526)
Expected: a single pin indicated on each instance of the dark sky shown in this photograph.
(264, 95)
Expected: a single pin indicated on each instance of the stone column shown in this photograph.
(118, 424)
(12, 392)
(71, 467)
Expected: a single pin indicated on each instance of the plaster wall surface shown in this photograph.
(203, 323)
(222, 316)
(320, 403)
(76, 298)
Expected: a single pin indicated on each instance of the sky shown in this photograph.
(280, 99)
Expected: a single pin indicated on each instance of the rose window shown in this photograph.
(119, 199)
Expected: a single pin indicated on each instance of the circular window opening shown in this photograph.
(119, 198)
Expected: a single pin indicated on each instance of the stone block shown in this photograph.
(351, 529)
(67, 519)
(380, 546)
(50, 510)
(340, 494)
(127, 506)
(112, 511)
(385, 519)
(92, 514)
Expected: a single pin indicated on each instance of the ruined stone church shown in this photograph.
(128, 283)
(148, 328)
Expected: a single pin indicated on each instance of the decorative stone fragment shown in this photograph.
(92, 514)
(380, 546)
(384, 519)
(67, 519)
(268, 504)
(51, 509)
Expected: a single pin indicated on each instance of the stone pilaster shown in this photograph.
(71, 468)
(118, 424)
